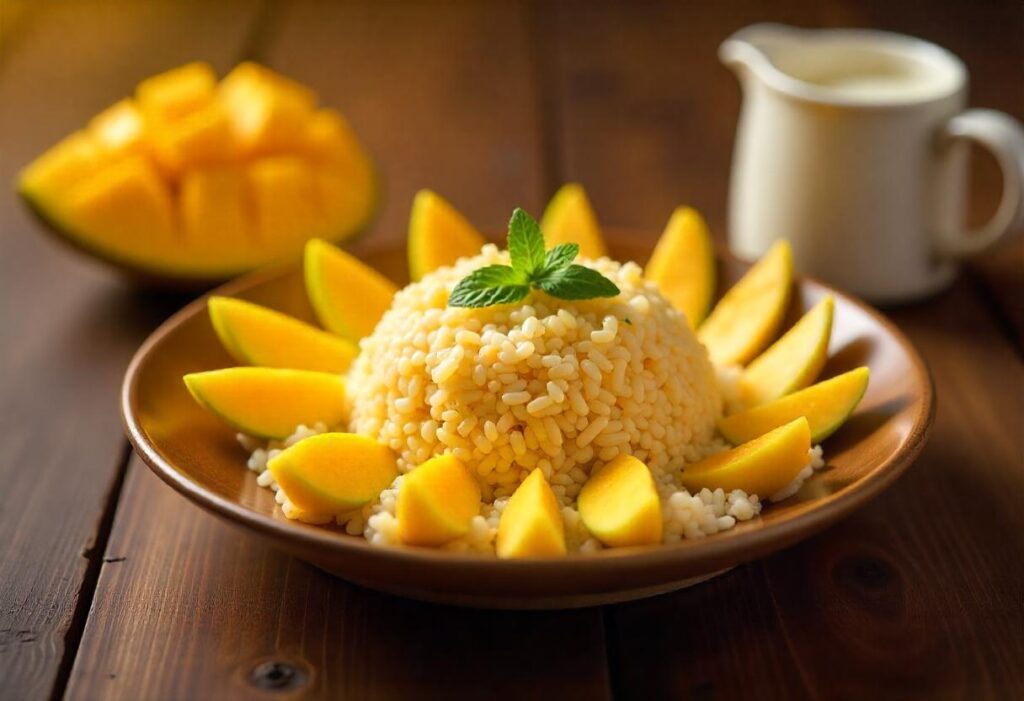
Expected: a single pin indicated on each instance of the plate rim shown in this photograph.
(727, 546)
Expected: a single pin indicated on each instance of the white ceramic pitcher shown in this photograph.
(852, 144)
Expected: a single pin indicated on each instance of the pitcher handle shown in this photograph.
(1003, 136)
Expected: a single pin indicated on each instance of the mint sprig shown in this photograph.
(531, 267)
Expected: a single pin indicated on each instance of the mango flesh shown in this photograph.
(569, 218)
(531, 524)
(255, 335)
(619, 504)
(438, 235)
(746, 319)
(245, 173)
(348, 296)
(270, 402)
(436, 502)
(333, 473)
(826, 405)
(792, 362)
(683, 265)
(763, 466)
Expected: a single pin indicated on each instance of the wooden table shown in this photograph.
(112, 586)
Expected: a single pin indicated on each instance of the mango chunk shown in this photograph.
(569, 218)
(792, 362)
(683, 265)
(531, 524)
(119, 128)
(216, 219)
(284, 200)
(171, 95)
(746, 319)
(269, 112)
(436, 502)
(438, 235)
(333, 473)
(270, 402)
(201, 138)
(255, 335)
(826, 405)
(763, 466)
(348, 296)
(619, 504)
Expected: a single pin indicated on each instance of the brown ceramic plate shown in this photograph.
(198, 456)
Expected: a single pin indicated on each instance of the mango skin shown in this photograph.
(746, 319)
(436, 502)
(438, 235)
(270, 402)
(619, 504)
(531, 524)
(333, 473)
(569, 218)
(763, 466)
(683, 265)
(826, 405)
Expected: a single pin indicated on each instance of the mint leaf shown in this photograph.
(577, 282)
(525, 243)
(493, 284)
(560, 256)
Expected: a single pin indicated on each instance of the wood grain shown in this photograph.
(68, 329)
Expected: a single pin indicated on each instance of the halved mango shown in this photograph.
(169, 96)
(270, 402)
(436, 502)
(683, 265)
(792, 362)
(763, 466)
(348, 296)
(746, 319)
(569, 218)
(826, 405)
(269, 111)
(438, 235)
(619, 504)
(531, 524)
(333, 473)
(263, 337)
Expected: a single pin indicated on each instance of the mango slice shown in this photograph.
(333, 473)
(436, 502)
(683, 265)
(826, 405)
(270, 402)
(169, 96)
(619, 504)
(348, 296)
(438, 235)
(763, 466)
(569, 218)
(747, 317)
(792, 362)
(531, 524)
(255, 335)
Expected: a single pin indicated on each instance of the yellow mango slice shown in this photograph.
(171, 95)
(348, 296)
(826, 405)
(748, 316)
(119, 128)
(49, 179)
(333, 473)
(270, 402)
(436, 502)
(201, 138)
(266, 338)
(269, 112)
(569, 218)
(792, 362)
(438, 235)
(125, 207)
(619, 504)
(531, 524)
(683, 265)
(285, 202)
(763, 466)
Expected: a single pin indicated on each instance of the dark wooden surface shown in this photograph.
(112, 586)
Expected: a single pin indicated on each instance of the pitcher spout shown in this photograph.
(752, 50)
